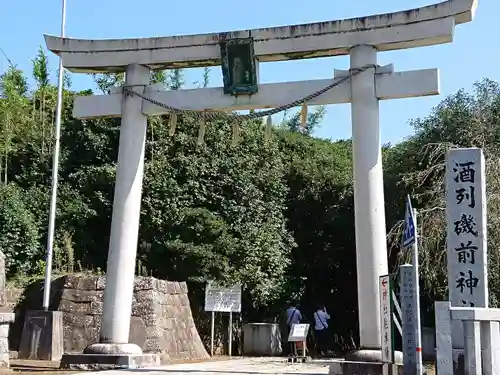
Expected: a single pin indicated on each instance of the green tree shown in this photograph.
(19, 236)
(216, 211)
(417, 166)
(13, 114)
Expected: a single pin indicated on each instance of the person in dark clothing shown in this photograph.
(293, 316)
(321, 329)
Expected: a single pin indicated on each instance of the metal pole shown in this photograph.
(212, 334)
(416, 284)
(230, 333)
(55, 167)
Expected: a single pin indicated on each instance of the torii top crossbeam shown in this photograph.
(418, 27)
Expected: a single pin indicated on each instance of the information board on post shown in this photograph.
(298, 332)
(222, 299)
(466, 237)
(387, 338)
(408, 310)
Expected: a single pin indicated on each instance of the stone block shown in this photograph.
(143, 308)
(6, 318)
(77, 320)
(145, 283)
(161, 319)
(81, 282)
(74, 307)
(3, 295)
(77, 295)
(95, 308)
(137, 334)
(170, 288)
(42, 336)
(184, 288)
(101, 283)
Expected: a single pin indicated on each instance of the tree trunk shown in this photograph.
(42, 119)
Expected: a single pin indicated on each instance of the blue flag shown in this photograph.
(409, 232)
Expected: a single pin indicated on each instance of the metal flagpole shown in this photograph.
(55, 167)
(416, 284)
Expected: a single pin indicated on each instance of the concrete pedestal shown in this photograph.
(365, 368)
(103, 356)
(42, 337)
(262, 339)
(366, 362)
(98, 362)
(5, 320)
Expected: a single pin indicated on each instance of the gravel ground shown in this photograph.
(219, 365)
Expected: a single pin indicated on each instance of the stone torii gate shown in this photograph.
(361, 38)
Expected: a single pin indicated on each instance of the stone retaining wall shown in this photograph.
(161, 320)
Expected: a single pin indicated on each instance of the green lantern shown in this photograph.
(239, 66)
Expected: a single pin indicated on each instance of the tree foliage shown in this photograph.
(461, 120)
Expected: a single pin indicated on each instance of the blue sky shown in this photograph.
(474, 54)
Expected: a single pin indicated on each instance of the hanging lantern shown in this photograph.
(239, 66)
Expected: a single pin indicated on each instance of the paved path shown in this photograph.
(243, 366)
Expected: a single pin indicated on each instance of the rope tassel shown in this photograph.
(201, 130)
(172, 122)
(303, 117)
(236, 133)
(269, 128)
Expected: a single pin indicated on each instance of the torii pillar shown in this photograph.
(120, 271)
(369, 203)
(361, 38)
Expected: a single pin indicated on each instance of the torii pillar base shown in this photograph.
(109, 356)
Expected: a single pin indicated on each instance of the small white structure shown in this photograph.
(481, 336)
(262, 339)
(361, 38)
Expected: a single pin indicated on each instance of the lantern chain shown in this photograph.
(215, 115)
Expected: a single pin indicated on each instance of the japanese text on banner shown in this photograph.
(466, 214)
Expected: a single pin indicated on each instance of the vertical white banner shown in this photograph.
(386, 319)
(408, 310)
(466, 237)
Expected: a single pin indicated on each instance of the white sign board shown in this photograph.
(408, 312)
(386, 318)
(298, 332)
(466, 217)
(222, 299)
